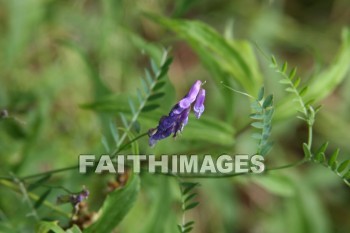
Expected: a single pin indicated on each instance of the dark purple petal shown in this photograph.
(166, 122)
(159, 135)
(198, 107)
(182, 120)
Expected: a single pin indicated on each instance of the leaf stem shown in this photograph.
(310, 134)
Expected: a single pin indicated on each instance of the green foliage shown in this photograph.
(321, 84)
(45, 227)
(187, 196)
(159, 207)
(263, 111)
(227, 60)
(340, 168)
(147, 98)
(116, 206)
(59, 54)
(262, 115)
(292, 84)
(308, 115)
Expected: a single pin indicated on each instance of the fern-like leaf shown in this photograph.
(147, 101)
(262, 115)
(187, 196)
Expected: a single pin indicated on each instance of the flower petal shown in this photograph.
(191, 95)
(198, 107)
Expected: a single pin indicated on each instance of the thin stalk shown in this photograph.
(49, 172)
(310, 133)
(33, 196)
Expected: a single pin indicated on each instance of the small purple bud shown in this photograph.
(74, 199)
(198, 107)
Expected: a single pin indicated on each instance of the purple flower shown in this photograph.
(74, 199)
(178, 116)
(198, 107)
(188, 99)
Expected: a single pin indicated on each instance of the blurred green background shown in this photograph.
(67, 67)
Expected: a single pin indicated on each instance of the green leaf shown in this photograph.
(258, 125)
(291, 90)
(303, 91)
(228, 61)
(137, 127)
(190, 223)
(13, 128)
(145, 86)
(124, 121)
(38, 183)
(284, 67)
(256, 116)
(150, 107)
(139, 95)
(148, 77)
(116, 206)
(261, 94)
(204, 129)
(320, 157)
(42, 198)
(268, 101)
(292, 73)
(132, 107)
(191, 206)
(334, 165)
(156, 96)
(343, 166)
(266, 148)
(74, 229)
(256, 107)
(324, 83)
(165, 68)
(188, 186)
(158, 211)
(333, 157)
(269, 113)
(105, 143)
(284, 81)
(322, 148)
(115, 104)
(114, 131)
(154, 66)
(189, 197)
(347, 175)
(158, 86)
(46, 227)
(307, 151)
(297, 82)
(273, 60)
